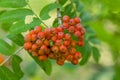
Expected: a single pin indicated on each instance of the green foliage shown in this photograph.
(12, 3)
(44, 14)
(20, 26)
(16, 74)
(96, 54)
(16, 38)
(15, 15)
(85, 51)
(45, 65)
(5, 48)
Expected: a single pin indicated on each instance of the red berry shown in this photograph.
(34, 37)
(77, 34)
(41, 35)
(77, 55)
(27, 45)
(34, 47)
(77, 20)
(39, 42)
(42, 57)
(55, 49)
(58, 42)
(66, 43)
(43, 48)
(66, 18)
(65, 25)
(38, 29)
(72, 22)
(60, 35)
(63, 48)
(59, 29)
(67, 36)
(81, 43)
(75, 61)
(71, 29)
(69, 58)
(28, 38)
(79, 26)
(46, 42)
(60, 62)
(54, 38)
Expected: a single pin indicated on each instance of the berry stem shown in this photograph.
(11, 56)
(73, 7)
(36, 14)
(59, 14)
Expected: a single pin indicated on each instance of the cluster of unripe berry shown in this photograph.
(54, 43)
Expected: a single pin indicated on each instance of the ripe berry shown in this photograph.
(51, 55)
(77, 34)
(63, 48)
(34, 37)
(1, 58)
(60, 35)
(46, 42)
(58, 42)
(28, 38)
(77, 20)
(27, 45)
(65, 25)
(69, 58)
(54, 38)
(66, 43)
(73, 43)
(66, 18)
(42, 57)
(60, 62)
(71, 29)
(55, 49)
(38, 29)
(39, 42)
(34, 47)
(59, 29)
(43, 48)
(81, 43)
(72, 22)
(77, 55)
(75, 61)
(67, 36)
(41, 35)
(34, 54)
(79, 26)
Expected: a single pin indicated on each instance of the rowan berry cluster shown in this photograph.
(54, 43)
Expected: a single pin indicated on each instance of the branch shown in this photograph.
(36, 14)
(59, 14)
(11, 56)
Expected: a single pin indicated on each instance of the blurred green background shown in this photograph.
(106, 24)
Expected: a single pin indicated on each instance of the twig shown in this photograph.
(36, 15)
(6, 60)
(73, 7)
(59, 14)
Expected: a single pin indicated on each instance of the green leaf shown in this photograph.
(16, 60)
(44, 14)
(13, 3)
(62, 2)
(96, 54)
(45, 65)
(5, 48)
(6, 26)
(6, 74)
(15, 15)
(85, 51)
(20, 26)
(16, 38)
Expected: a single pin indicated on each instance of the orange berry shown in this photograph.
(75, 61)
(46, 42)
(69, 58)
(66, 43)
(41, 35)
(65, 25)
(60, 35)
(77, 55)
(77, 34)
(1, 58)
(63, 48)
(66, 18)
(28, 38)
(72, 22)
(39, 42)
(77, 20)
(58, 42)
(34, 37)
(55, 49)
(34, 47)
(42, 57)
(27, 45)
(60, 62)
(71, 29)
(67, 36)
(38, 29)
(81, 43)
